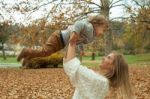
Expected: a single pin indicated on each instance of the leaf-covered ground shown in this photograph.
(53, 83)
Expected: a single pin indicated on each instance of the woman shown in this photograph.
(86, 30)
(91, 85)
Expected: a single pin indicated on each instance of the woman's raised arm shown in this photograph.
(71, 47)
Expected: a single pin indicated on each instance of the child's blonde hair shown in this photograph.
(98, 20)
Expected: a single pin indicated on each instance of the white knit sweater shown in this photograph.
(87, 83)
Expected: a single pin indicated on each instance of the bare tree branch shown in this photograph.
(2, 16)
(117, 5)
(145, 21)
(119, 18)
(113, 3)
(137, 3)
(96, 4)
(102, 3)
(93, 11)
(38, 7)
(50, 13)
(90, 2)
(44, 4)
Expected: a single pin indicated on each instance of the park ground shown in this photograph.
(53, 83)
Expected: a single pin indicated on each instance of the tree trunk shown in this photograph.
(93, 55)
(3, 51)
(108, 42)
(108, 36)
(81, 55)
(80, 51)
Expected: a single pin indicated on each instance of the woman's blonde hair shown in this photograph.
(119, 78)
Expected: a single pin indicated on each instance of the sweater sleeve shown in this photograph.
(89, 83)
(78, 27)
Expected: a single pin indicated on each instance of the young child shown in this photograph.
(85, 30)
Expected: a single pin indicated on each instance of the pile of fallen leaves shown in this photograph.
(53, 83)
(140, 81)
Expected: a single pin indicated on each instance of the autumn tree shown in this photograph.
(63, 13)
(140, 24)
(5, 31)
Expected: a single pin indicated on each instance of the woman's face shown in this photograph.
(107, 61)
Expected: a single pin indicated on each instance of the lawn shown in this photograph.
(139, 59)
(131, 59)
(10, 59)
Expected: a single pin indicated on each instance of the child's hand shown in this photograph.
(73, 38)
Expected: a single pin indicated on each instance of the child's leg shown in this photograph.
(53, 44)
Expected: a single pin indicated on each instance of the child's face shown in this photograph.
(100, 30)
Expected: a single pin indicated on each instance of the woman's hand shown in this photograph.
(73, 38)
(71, 47)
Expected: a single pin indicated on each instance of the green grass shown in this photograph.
(8, 60)
(131, 59)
